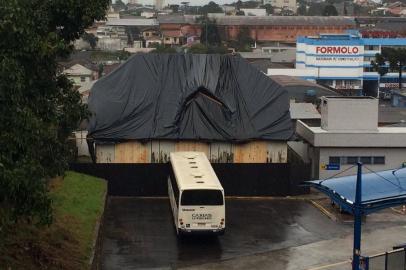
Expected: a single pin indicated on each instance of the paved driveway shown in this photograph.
(139, 233)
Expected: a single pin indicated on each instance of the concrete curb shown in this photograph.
(94, 260)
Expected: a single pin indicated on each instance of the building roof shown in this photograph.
(262, 20)
(85, 62)
(255, 55)
(132, 22)
(382, 137)
(285, 20)
(387, 114)
(297, 87)
(285, 56)
(353, 38)
(176, 19)
(172, 33)
(264, 64)
(78, 70)
(193, 170)
(303, 111)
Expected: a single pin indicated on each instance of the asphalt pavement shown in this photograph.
(139, 233)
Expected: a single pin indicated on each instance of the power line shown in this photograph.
(386, 179)
(333, 176)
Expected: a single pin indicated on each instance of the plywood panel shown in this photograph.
(132, 152)
(105, 153)
(251, 152)
(192, 146)
(160, 151)
(221, 153)
(277, 152)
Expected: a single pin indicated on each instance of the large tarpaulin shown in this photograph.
(187, 96)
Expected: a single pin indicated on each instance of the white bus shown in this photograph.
(196, 195)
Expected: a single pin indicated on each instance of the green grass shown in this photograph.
(80, 196)
(78, 202)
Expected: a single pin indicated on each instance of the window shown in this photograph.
(334, 160)
(82, 79)
(174, 187)
(379, 160)
(202, 197)
(371, 47)
(366, 160)
(352, 160)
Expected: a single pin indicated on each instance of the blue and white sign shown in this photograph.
(331, 167)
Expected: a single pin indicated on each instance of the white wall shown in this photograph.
(292, 72)
(394, 157)
(254, 11)
(81, 143)
(344, 114)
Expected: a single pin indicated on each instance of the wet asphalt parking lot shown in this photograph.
(139, 233)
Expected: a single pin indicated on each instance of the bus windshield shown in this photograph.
(202, 197)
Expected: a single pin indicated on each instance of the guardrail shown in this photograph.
(391, 260)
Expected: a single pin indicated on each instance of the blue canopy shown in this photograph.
(379, 190)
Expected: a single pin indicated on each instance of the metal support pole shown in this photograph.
(357, 220)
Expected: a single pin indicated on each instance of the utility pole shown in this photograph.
(357, 220)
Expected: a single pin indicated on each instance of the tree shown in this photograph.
(100, 70)
(210, 34)
(211, 7)
(202, 49)
(330, 10)
(133, 33)
(268, 8)
(174, 8)
(119, 5)
(315, 9)
(244, 41)
(198, 49)
(391, 59)
(91, 39)
(38, 107)
(163, 49)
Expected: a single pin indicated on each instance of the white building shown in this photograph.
(159, 4)
(283, 4)
(80, 75)
(254, 11)
(348, 134)
(343, 62)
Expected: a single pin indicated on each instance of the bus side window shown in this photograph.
(174, 187)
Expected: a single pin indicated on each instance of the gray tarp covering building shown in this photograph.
(186, 96)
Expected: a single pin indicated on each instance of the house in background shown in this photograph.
(80, 72)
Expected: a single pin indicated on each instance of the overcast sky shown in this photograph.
(192, 2)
